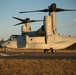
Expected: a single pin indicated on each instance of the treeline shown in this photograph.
(1, 41)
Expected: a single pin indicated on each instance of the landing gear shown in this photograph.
(51, 49)
(5, 49)
(45, 50)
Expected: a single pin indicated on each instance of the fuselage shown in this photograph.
(44, 38)
(34, 40)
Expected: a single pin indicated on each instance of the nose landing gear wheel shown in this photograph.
(5, 49)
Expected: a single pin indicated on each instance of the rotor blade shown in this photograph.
(59, 10)
(30, 21)
(18, 19)
(18, 24)
(36, 20)
(44, 10)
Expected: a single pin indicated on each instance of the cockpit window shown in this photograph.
(13, 38)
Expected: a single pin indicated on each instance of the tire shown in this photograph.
(45, 50)
(5, 49)
(52, 51)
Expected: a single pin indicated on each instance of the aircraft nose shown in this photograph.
(3, 44)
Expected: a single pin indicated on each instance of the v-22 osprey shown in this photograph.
(45, 38)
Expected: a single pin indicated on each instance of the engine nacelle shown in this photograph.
(49, 36)
(26, 28)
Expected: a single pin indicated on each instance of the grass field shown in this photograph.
(37, 67)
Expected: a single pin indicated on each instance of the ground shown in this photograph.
(37, 67)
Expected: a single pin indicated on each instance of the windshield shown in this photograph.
(13, 38)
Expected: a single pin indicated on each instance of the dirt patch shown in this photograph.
(37, 67)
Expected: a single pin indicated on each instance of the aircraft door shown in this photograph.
(20, 41)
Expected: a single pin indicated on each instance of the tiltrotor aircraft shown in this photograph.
(45, 38)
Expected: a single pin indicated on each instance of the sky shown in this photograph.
(66, 21)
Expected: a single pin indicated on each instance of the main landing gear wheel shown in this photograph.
(52, 51)
(45, 50)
